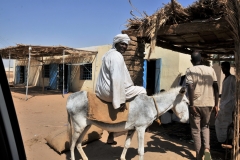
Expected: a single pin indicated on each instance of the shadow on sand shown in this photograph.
(97, 151)
(159, 143)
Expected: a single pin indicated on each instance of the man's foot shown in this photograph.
(207, 155)
(112, 142)
(110, 139)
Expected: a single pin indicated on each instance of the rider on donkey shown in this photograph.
(114, 83)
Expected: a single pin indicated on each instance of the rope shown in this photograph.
(158, 114)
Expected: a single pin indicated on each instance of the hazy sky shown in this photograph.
(72, 23)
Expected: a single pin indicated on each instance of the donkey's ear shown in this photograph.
(182, 90)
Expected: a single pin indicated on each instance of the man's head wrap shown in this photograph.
(120, 38)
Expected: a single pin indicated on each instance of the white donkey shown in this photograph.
(143, 110)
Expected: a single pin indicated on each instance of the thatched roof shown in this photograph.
(206, 25)
(21, 51)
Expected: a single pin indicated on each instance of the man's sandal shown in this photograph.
(207, 156)
(112, 143)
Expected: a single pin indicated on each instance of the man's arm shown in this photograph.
(216, 96)
(192, 108)
(117, 79)
(190, 89)
(190, 93)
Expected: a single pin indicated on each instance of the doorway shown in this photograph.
(151, 76)
(20, 74)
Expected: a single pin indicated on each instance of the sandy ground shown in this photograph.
(43, 113)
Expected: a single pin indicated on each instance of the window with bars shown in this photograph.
(86, 71)
(45, 71)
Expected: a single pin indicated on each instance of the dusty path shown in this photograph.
(43, 113)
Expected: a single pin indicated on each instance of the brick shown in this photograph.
(129, 53)
(133, 38)
(134, 68)
(132, 48)
(133, 43)
(136, 62)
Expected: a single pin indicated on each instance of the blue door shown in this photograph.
(53, 72)
(157, 75)
(145, 74)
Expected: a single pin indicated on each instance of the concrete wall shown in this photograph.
(34, 75)
(10, 72)
(89, 85)
(34, 71)
(174, 65)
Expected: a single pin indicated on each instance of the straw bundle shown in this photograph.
(174, 13)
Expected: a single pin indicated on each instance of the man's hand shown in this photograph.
(122, 107)
(215, 109)
(193, 110)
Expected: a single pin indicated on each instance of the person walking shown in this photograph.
(201, 82)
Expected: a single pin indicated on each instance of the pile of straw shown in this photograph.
(174, 13)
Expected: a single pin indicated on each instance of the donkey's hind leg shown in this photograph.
(127, 143)
(79, 145)
(74, 139)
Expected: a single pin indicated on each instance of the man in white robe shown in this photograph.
(114, 83)
(227, 103)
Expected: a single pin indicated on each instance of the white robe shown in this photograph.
(227, 103)
(114, 83)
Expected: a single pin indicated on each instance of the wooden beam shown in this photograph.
(174, 48)
(213, 48)
(204, 44)
(215, 51)
(185, 28)
(220, 53)
(221, 59)
(194, 27)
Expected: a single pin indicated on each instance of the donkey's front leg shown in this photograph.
(127, 143)
(141, 133)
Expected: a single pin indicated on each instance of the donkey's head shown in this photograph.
(180, 106)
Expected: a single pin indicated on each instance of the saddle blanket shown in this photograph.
(102, 111)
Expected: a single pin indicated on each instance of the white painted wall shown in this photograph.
(89, 85)
(174, 65)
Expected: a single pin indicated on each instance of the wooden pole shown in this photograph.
(235, 151)
(63, 74)
(42, 75)
(29, 58)
(95, 73)
(9, 68)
